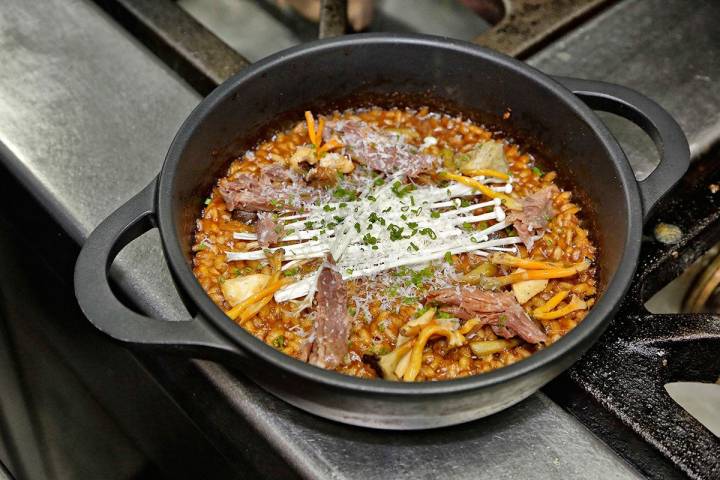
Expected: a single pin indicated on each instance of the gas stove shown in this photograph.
(617, 388)
(667, 50)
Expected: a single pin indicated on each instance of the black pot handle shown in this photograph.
(653, 119)
(102, 307)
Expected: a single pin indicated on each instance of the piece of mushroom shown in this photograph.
(485, 155)
(237, 289)
(337, 162)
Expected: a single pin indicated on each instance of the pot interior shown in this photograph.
(449, 76)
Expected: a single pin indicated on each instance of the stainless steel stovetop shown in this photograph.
(91, 94)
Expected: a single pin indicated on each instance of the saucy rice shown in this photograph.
(395, 243)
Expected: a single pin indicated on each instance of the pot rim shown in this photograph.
(578, 339)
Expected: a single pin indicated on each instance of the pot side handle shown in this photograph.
(102, 307)
(655, 121)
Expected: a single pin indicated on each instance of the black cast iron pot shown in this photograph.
(552, 115)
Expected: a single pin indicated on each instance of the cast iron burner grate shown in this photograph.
(617, 388)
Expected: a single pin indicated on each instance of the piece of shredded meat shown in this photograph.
(244, 193)
(384, 151)
(249, 193)
(537, 210)
(332, 320)
(268, 230)
(498, 309)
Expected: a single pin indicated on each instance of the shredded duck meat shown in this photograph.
(332, 321)
(537, 210)
(249, 193)
(498, 309)
(384, 151)
(268, 230)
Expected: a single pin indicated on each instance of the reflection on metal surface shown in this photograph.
(529, 24)
(333, 18)
(200, 57)
(703, 294)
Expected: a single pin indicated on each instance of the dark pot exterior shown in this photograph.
(399, 69)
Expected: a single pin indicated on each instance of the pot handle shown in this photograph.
(655, 121)
(102, 307)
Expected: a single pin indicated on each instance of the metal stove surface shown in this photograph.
(67, 66)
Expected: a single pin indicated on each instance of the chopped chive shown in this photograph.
(448, 257)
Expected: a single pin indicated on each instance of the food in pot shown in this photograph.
(402, 244)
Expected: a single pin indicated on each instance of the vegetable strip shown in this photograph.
(487, 191)
(331, 144)
(552, 303)
(575, 304)
(487, 172)
(272, 287)
(493, 283)
(413, 369)
(311, 127)
(526, 263)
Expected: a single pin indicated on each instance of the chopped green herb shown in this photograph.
(412, 225)
(338, 219)
(413, 247)
(279, 342)
(502, 320)
(371, 198)
(221, 279)
(468, 227)
(375, 218)
(429, 232)
(549, 241)
(291, 271)
(395, 232)
(537, 171)
(387, 210)
(352, 311)
(309, 225)
(435, 214)
(409, 300)
(448, 257)
(328, 208)
(464, 203)
(421, 311)
(379, 181)
(357, 227)
(442, 314)
(236, 271)
(342, 205)
(369, 239)
(208, 200)
(401, 190)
